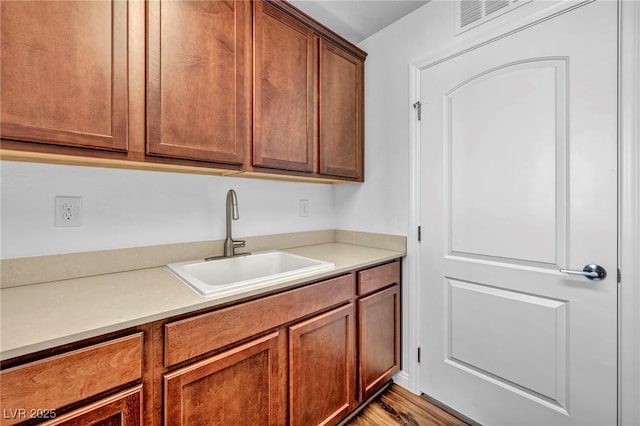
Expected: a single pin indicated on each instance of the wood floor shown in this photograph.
(397, 406)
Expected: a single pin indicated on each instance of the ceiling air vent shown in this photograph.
(471, 13)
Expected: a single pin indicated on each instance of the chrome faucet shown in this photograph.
(232, 213)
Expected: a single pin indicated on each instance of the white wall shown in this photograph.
(126, 208)
(382, 203)
(130, 208)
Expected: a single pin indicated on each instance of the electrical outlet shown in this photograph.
(304, 208)
(68, 211)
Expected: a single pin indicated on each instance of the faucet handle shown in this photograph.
(239, 243)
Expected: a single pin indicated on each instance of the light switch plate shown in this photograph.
(304, 208)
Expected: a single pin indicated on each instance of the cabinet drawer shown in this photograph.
(198, 335)
(54, 382)
(378, 277)
(123, 409)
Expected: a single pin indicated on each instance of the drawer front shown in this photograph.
(122, 409)
(195, 336)
(54, 382)
(378, 277)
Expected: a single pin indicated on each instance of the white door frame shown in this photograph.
(628, 190)
(629, 208)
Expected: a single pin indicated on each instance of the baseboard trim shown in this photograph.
(402, 379)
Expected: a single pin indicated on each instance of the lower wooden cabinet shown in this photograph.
(379, 339)
(237, 387)
(39, 390)
(271, 379)
(378, 289)
(305, 356)
(322, 368)
(123, 409)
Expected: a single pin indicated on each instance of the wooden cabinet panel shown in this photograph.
(199, 79)
(376, 278)
(341, 108)
(123, 409)
(64, 72)
(322, 368)
(285, 92)
(379, 339)
(254, 87)
(198, 335)
(237, 387)
(71, 377)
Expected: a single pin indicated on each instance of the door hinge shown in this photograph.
(419, 233)
(418, 106)
(418, 353)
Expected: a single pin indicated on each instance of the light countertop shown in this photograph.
(41, 316)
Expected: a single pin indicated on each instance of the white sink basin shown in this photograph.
(233, 274)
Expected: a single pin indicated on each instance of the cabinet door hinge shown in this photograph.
(418, 353)
(418, 106)
(419, 233)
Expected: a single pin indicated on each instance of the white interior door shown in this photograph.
(518, 181)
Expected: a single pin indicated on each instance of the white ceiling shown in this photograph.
(356, 20)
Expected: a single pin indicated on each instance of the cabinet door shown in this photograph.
(285, 70)
(123, 409)
(341, 113)
(321, 368)
(379, 339)
(64, 72)
(237, 387)
(199, 79)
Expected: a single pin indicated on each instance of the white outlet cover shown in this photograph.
(68, 211)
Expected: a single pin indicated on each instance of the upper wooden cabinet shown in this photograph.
(64, 73)
(199, 79)
(205, 86)
(285, 91)
(308, 96)
(341, 112)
